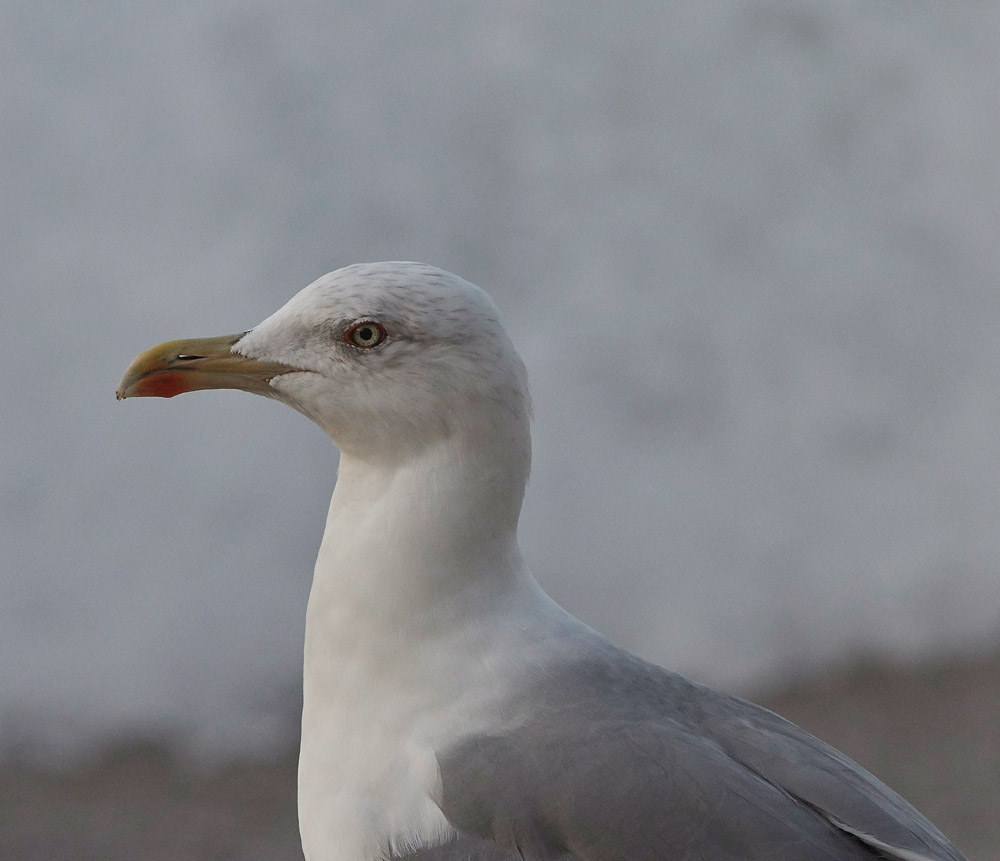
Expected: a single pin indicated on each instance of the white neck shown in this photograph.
(391, 527)
(418, 573)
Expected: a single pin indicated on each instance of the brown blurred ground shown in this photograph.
(933, 733)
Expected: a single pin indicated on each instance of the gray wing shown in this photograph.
(816, 774)
(613, 758)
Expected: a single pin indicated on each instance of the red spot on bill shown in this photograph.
(164, 384)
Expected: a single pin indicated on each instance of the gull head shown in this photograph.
(387, 358)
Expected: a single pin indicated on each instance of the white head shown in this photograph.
(388, 358)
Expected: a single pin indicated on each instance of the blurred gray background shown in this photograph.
(748, 251)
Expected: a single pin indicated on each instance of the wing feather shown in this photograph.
(610, 757)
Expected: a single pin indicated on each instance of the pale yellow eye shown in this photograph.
(365, 335)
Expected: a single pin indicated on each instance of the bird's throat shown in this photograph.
(414, 540)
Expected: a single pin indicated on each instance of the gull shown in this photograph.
(452, 710)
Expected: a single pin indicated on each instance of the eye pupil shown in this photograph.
(366, 334)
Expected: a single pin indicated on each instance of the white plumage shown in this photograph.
(451, 709)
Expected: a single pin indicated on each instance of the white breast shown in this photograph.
(368, 776)
(388, 684)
